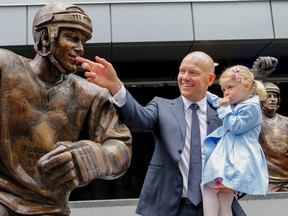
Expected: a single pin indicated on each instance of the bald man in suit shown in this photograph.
(165, 190)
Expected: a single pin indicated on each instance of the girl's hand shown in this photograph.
(225, 100)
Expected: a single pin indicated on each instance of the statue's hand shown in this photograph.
(264, 66)
(70, 165)
(265, 63)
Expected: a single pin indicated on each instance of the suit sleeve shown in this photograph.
(137, 117)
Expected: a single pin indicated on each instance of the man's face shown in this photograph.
(68, 45)
(272, 101)
(194, 79)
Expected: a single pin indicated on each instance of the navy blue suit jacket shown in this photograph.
(162, 189)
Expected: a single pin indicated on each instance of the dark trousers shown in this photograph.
(188, 209)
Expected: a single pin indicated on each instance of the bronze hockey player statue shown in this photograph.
(274, 133)
(58, 131)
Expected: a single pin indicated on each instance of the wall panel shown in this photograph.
(13, 25)
(232, 21)
(151, 22)
(280, 18)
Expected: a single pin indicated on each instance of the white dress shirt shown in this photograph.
(119, 99)
(185, 156)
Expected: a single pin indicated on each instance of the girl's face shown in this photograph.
(235, 90)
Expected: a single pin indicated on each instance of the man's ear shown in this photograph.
(211, 79)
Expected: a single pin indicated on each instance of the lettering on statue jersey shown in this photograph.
(31, 149)
(33, 154)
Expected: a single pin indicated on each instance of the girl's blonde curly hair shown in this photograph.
(243, 74)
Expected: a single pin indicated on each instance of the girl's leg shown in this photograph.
(225, 203)
(210, 201)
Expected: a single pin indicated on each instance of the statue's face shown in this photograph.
(68, 45)
(272, 101)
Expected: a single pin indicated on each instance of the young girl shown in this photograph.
(234, 158)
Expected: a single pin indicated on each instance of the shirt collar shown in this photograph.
(202, 104)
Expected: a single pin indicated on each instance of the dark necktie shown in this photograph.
(195, 166)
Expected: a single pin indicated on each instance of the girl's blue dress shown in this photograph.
(233, 152)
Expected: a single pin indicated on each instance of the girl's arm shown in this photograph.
(242, 119)
(216, 101)
(213, 99)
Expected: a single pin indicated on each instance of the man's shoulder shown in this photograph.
(162, 99)
(166, 101)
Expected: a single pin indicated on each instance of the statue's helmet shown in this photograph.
(58, 15)
(271, 87)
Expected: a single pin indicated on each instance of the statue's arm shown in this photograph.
(113, 139)
(106, 155)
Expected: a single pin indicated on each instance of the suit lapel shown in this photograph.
(177, 107)
(213, 120)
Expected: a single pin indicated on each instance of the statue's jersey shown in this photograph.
(274, 141)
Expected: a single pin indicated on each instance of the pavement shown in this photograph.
(273, 204)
